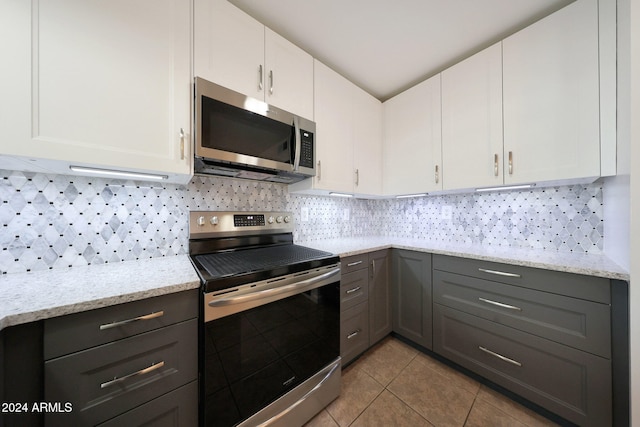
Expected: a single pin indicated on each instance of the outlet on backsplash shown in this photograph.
(345, 214)
(446, 212)
(304, 214)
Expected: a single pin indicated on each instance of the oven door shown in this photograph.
(265, 342)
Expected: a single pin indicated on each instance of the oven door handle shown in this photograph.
(278, 293)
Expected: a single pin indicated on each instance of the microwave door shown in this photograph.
(239, 136)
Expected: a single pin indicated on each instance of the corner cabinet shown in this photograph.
(412, 140)
(98, 84)
(411, 296)
(348, 138)
(551, 97)
(234, 50)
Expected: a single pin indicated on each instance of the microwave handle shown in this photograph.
(298, 148)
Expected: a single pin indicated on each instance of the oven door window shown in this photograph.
(254, 357)
(232, 129)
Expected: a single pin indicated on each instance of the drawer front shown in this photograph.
(355, 262)
(175, 409)
(582, 324)
(354, 288)
(354, 332)
(68, 334)
(108, 380)
(590, 288)
(571, 383)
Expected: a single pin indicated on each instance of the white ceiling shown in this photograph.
(387, 46)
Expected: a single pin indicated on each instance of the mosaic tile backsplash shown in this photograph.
(56, 221)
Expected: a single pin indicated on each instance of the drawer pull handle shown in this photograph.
(356, 289)
(353, 334)
(135, 319)
(353, 264)
(499, 356)
(499, 273)
(126, 377)
(499, 304)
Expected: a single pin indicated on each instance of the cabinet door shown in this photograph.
(367, 143)
(380, 322)
(289, 76)
(551, 97)
(229, 47)
(412, 147)
(103, 84)
(472, 121)
(333, 116)
(411, 284)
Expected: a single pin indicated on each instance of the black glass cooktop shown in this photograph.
(227, 269)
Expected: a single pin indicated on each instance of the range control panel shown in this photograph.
(228, 223)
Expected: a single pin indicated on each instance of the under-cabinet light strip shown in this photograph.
(116, 173)
(511, 187)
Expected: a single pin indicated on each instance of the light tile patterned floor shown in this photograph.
(393, 384)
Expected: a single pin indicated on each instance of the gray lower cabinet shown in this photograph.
(411, 296)
(380, 318)
(544, 335)
(135, 362)
(365, 303)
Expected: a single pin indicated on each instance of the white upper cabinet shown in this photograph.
(348, 138)
(234, 50)
(228, 47)
(472, 121)
(551, 97)
(412, 150)
(367, 143)
(100, 84)
(334, 146)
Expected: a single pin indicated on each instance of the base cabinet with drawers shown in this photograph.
(365, 303)
(544, 335)
(129, 364)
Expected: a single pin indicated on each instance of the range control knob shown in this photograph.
(270, 220)
(287, 219)
(279, 219)
(214, 220)
(201, 221)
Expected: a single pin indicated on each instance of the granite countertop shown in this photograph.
(29, 297)
(579, 263)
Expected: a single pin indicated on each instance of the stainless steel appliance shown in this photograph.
(245, 137)
(269, 338)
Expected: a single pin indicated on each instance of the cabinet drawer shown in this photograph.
(571, 383)
(582, 324)
(354, 288)
(67, 334)
(355, 262)
(589, 288)
(88, 379)
(177, 408)
(354, 332)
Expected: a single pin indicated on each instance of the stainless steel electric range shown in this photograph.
(269, 336)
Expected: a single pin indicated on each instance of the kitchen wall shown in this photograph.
(56, 221)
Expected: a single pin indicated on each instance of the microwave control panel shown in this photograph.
(306, 149)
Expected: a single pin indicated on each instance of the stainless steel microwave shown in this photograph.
(243, 137)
